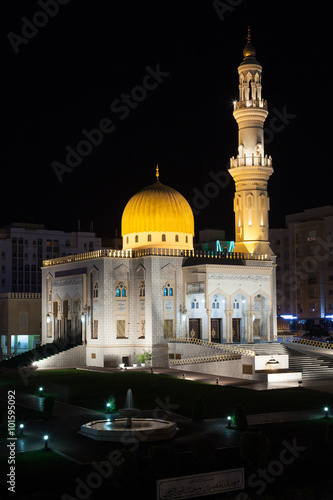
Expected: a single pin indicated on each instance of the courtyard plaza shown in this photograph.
(67, 419)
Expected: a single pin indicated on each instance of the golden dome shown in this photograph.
(157, 208)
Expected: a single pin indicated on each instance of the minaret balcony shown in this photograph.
(250, 103)
(250, 161)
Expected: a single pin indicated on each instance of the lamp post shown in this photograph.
(40, 391)
(108, 407)
(326, 409)
(229, 421)
(46, 439)
(21, 429)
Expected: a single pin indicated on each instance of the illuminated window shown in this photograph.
(121, 290)
(168, 291)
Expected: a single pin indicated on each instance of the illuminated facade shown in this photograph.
(251, 168)
(117, 304)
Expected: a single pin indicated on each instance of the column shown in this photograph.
(228, 333)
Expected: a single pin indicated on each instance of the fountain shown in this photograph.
(129, 412)
(129, 425)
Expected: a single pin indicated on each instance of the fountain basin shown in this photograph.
(144, 429)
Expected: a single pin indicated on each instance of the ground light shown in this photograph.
(229, 421)
(326, 409)
(46, 439)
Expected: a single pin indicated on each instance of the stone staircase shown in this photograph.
(313, 365)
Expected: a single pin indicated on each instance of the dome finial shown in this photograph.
(249, 50)
(157, 174)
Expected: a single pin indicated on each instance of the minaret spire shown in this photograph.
(251, 168)
(157, 174)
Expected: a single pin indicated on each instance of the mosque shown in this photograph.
(116, 304)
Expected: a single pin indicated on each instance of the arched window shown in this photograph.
(91, 246)
(149, 237)
(142, 290)
(177, 238)
(163, 237)
(136, 238)
(186, 239)
(168, 290)
(121, 290)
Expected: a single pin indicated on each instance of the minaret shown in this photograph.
(251, 168)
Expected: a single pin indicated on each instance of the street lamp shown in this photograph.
(40, 391)
(21, 429)
(229, 421)
(326, 412)
(46, 439)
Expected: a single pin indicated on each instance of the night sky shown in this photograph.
(179, 60)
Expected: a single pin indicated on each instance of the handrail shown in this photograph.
(314, 343)
(204, 359)
(214, 345)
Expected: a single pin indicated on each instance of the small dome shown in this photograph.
(249, 50)
(157, 209)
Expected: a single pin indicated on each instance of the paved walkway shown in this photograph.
(63, 428)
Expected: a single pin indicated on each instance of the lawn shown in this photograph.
(93, 389)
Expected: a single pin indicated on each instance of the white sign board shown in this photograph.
(200, 485)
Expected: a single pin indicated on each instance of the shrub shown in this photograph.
(239, 419)
(204, 453)
(254, 448)
(198, 408)
(163, 460)
(48, 405)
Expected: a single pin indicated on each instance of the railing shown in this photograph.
(250, 160)
(204, 359)
(286, 338)
(20, 295)
(314, 343)
(222, 347)
(161, 252)
(251, 103)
